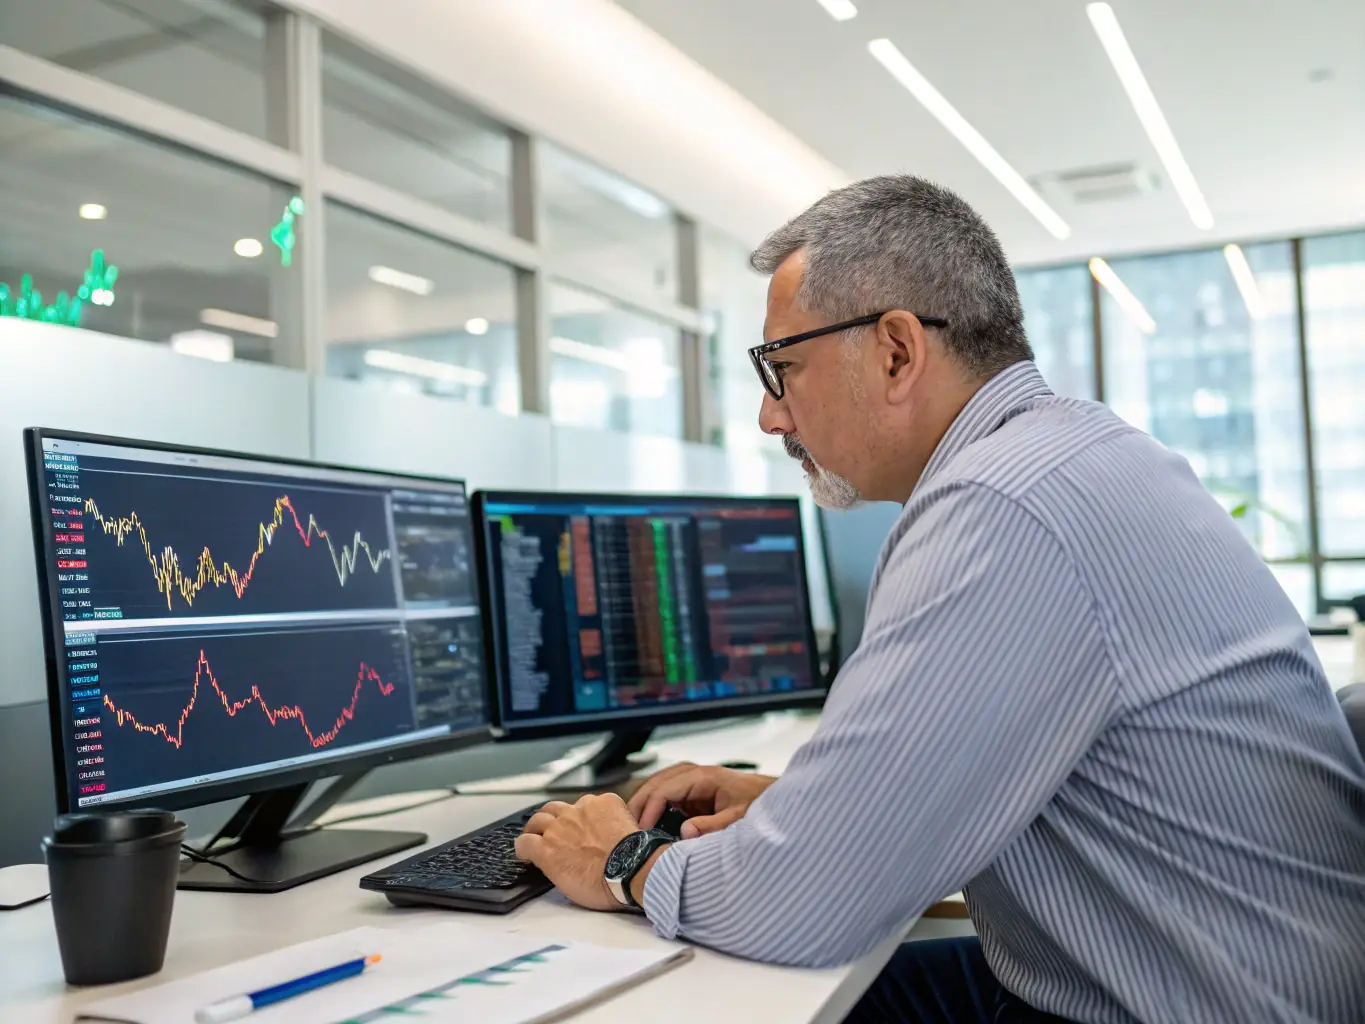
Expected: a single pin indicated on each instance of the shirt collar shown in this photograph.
(1000, 399)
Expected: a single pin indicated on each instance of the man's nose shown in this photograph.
(773, 417)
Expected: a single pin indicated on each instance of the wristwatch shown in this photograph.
(625, 862)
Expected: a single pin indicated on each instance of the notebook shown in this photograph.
(445, 972)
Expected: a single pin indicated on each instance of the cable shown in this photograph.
(202, 858)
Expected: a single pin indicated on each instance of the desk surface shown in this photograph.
(210, 929)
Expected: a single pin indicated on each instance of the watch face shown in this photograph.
(627, 850)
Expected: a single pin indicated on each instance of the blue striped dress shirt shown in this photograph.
(1081, 696)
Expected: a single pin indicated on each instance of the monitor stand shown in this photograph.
(610, 765)
(265, 841)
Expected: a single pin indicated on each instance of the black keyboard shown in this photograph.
(478, 871)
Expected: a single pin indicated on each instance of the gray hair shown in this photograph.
(900, 242)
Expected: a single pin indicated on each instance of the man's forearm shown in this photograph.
(637, 884)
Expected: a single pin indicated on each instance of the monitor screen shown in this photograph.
(215, 618)
(609, 608)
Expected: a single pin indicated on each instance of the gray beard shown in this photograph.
(828, 489)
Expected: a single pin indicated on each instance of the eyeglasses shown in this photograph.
(771, 375)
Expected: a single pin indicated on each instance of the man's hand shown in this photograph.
(718, 796)
(570, 844)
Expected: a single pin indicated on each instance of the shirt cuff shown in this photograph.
(663, 890)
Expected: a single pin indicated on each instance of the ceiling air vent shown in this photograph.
(1084, 185)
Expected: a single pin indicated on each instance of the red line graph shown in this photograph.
(171, 579)
(174, 735)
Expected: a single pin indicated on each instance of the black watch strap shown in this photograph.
(656, 840)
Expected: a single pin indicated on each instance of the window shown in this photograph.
(1211, 371)
(1342, 581)
(401, 132)
(190, 238)
(206, 58)
(1059, 319)
(600, 223)
(734, 298)
(409, 312)
(612, 368)
(1334, 301)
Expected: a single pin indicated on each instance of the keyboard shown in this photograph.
(478, 871)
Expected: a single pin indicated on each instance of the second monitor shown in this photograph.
(625, 612)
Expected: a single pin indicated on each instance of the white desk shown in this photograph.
(210, 929)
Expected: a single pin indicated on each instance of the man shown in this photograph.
(1079, 693)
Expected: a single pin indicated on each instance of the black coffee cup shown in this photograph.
(113, 879)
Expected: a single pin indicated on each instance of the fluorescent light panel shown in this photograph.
(1127, 301)
(1246, 280)
(1106, 25)
(397, 362)
(248, 248)
(210, 345)
(402, 281)
(890, 57)
(239, 322)
(92, 211)
(839, 10)
(602, 356)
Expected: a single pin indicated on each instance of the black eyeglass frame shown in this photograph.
(773, 384)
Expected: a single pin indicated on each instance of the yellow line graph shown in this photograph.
(171, 579)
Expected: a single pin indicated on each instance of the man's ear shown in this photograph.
(901, 350)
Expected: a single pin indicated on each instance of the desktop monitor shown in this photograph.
(222, 625)
(624, 612)
(853, 542)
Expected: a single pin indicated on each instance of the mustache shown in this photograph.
(795, 449)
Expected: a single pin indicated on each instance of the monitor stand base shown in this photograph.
(272, 853)
(610, 765)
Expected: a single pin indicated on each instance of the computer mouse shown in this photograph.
(671, 821)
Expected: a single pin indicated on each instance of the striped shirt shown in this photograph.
(1081, 696)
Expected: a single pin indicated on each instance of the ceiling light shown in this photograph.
(890, 57)
(839, 10)
(476, 325)
(1127, 301)
(239, 322)
(102, 297)
(404, 282)
(1107, 27)
(1246, 280)
(93, 211)
(383, 359)
(210, 345)
(248, 248)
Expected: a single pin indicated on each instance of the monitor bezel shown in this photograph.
(196, 796)
(720, 708)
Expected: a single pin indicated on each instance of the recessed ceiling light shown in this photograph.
(890, 57)
(1127, 301)
(248, 248)
(1246, 280)
(476, 325)
(839, 10)
(416, 366)
(239, 322)
(1106, 25)
(93, 211)
(402, 281)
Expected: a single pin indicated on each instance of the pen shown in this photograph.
(237, 1007)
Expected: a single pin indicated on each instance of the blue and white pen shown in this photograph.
(237, 1007)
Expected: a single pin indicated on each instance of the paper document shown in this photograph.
(439, 974)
